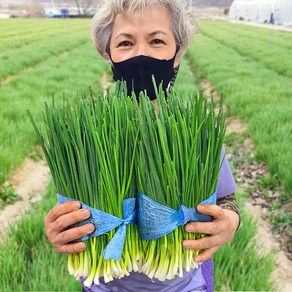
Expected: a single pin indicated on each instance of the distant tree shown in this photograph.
(32, 9)
(85, 6)
(35, 8)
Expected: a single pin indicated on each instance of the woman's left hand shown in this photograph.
(218, 232)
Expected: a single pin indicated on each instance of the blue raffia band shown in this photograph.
(156, 220)
(105, 222)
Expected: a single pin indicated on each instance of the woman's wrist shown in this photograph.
(234, 220)
(229, 203)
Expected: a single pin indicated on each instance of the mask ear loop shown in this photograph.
(109, 54)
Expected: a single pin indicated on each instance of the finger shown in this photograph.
(62, 209)
(72, 234)
(202, 243)
(71, 248)
(64, 221)
(202, 227)
(211, 210)
(206, 254)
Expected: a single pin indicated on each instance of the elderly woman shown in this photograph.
(140, 38)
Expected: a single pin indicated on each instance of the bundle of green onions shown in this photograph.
(178, 164)
(102, 151)
(90, 149)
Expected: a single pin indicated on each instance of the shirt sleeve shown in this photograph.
(226, 184)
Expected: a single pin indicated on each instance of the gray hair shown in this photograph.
(183, 23)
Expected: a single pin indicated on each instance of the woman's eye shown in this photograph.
(125, 44)
(157, 42)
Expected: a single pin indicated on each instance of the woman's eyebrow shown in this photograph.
(157, 32)
(126, 35)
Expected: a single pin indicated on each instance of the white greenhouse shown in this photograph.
(262, 11)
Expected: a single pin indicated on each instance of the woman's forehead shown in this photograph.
(149, 20)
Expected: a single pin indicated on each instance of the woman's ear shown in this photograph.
(177, 56)
(176, 61)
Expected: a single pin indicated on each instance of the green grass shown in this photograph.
(239, 266)
(67, 74)
(8, 196)
(51, 42)
(258, 95)
(27, 260)
(186, 82)
(270, 48)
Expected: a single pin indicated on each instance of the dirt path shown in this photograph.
(257, 206)
(266, 242)
(30, 181)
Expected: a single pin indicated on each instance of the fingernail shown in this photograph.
(187, 228)
(201, 207)
(198, 259)
(85, 213)
(90, 228)
(186, 244)
(76, 205)
(82, 247)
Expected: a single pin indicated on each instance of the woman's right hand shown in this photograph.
(59, 219)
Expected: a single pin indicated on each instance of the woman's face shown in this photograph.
(148, 32)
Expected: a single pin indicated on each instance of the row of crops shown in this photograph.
(48, 58)
(58, 58)
(253, 69)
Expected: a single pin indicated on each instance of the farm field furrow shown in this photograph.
(256, 94)
(70, 73)
(25, 38)
(30, 263)
(15, 60)
(52, 29)
(270, 54)
(12, 28)
(257, 34)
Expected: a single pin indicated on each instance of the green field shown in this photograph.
(42, 59)
(58, 59)
(256, 81)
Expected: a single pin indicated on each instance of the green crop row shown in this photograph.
(186, 83)
(267, 50)
(24, 39)
(28, 261)
(15, 60)
(269, 35)
(67, 73)
(256, 94)
(18, 27)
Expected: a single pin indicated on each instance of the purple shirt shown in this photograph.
(200, 279)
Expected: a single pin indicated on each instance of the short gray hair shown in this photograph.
(183, 24)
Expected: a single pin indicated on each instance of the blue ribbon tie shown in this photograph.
(105, 222)
(156, 220)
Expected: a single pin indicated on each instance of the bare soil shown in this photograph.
(29, 181)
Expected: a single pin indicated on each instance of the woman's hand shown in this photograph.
(59, 219)
(218, 232)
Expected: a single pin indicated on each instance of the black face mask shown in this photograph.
(138, 71)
